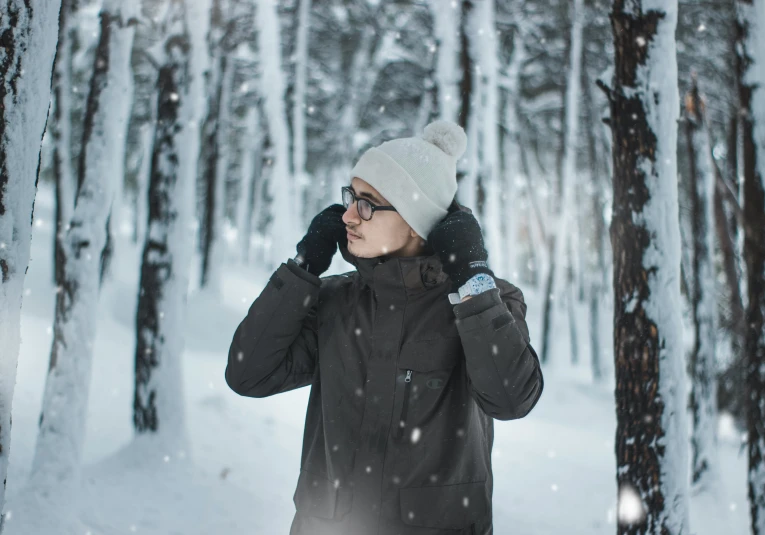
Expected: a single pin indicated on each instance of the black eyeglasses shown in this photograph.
(366, 209)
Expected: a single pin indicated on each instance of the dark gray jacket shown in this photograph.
(404, 390)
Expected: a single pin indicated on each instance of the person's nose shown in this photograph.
(351, 215)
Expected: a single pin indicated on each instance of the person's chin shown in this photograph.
(359, 251)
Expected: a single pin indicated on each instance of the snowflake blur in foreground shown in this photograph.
(630, 508)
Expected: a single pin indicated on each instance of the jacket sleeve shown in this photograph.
(275, 347)
(504, 375)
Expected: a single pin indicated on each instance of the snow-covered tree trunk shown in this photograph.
(565, 217)
(446, 22)
(484, 48)
(651, 433)
(213, 248)
(703, 398)
(511, 155)
(597, 272)
(142, 181)
(299, 107)
(27, 48)
(245, 203)
(61, 129)
(62, 421)
(558, 274)
(751, 70)
(158, 405)
(211, 149)
(281, 187)
(468, 113)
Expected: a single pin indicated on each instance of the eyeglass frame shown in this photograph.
(356, 199)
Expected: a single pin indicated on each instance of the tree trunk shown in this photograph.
(282, 188)
(215, 177)
(27, 47)
(597, 273)
(511, 155)
(446, 31)
(61, 130)
(158, 396)
(651, 433)
(751, 71)
(703, 307)
(299, 148)
(63, 417)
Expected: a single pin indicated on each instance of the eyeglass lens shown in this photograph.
(363, 206)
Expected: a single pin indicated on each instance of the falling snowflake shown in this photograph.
(630, 507)
(640, 41)
(357, 331)
(416, 434)
(465, 501)
(369, 469)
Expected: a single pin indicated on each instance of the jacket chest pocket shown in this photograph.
(424, 372)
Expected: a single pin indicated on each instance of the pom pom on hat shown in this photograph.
(447, 136)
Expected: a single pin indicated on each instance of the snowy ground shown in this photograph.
(554, 471)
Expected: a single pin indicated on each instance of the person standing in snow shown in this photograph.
(410, 357)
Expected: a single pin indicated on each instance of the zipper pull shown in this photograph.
(408, 376)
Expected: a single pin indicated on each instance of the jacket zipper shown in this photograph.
(407, 386)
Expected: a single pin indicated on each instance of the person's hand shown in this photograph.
(458, 242)
(325, 233)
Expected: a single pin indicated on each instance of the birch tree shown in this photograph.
(27, 49)
(281, 187)
(299, 104)
(63, 418)
(61, 128)
(703, 307)
(158, 395)
(558, 240)
(651, 433)
(214, 150)
(751, 71)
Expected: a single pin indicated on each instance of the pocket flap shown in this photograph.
(447, 507)
(428, 355)
(315, 495)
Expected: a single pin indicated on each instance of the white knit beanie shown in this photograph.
(417, 175)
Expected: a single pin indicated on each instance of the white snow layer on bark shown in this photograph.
(63, 103)
(281, 187)
(25, 112)
(512, 151)
(62, 431)
(656, 83)
(485, 47)
(573, 85)
(705, 432)
(243, 213)
(754, 14)
(167, 379)
(446, 31)
(299, 107)
(218, 245)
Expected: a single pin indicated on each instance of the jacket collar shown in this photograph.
(398, 275)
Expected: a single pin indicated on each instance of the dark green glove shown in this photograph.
(318, 246)
(458, 241)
